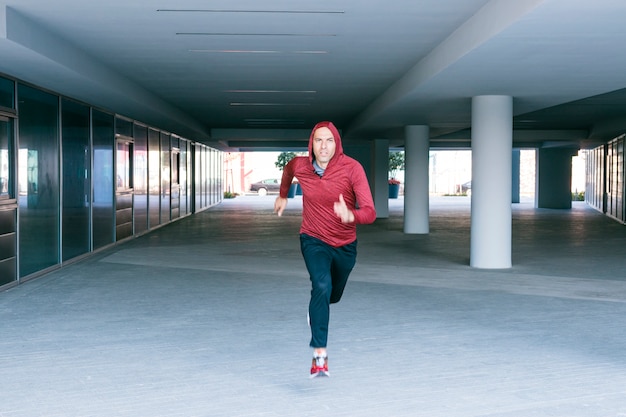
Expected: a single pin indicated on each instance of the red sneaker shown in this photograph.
(319, 367)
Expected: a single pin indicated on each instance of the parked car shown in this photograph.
(265, 186)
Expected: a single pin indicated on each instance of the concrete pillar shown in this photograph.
(416, 148)
(380, 188)
(492, 146)
(375, 167)
(515, 192)
(554, 178)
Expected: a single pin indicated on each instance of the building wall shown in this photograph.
(75, 179)
(605, 185)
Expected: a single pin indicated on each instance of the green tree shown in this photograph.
(396, 162)
(283, 159)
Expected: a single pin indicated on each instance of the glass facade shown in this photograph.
(103, 210)
(605, 185)
(594, 182)
(38, 180)
(154, 177)
(218, 168)
(8, 206)
(183, 178)
(124, 175)
(123, 127)
(207, 183)
(140, 198)
(81, 179)
(165, 177)
(6, 158)
(615, 179)
(76, 157)
(7, 93)
(175, 177)
(124, 188)
(198, 177)
(124, 165)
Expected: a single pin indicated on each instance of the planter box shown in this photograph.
(292, 191)
(394, 190)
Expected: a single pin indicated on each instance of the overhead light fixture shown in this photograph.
(272, 91)
(251, 11)
(274, 121)
(242, 104)
(255, 34)
(243, 51)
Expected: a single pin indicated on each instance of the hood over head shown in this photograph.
(336, 136)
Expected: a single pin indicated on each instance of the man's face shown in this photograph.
(323, 146)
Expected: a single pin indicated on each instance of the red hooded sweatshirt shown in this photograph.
(343, 175)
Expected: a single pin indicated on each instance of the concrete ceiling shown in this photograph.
(245, 74)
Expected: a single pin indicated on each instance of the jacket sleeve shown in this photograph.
(288, 174)
(365, 213)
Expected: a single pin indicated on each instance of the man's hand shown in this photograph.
(342, 211)
(279, 205)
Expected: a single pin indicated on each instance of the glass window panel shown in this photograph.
(123, 127)
(165, 178)
(7, 93)
(210, 179)
(216, 172)
(219, 173)
(124, 165)
(6, 158)
(154, 177)
(211, 157)
(175, 142)
(103, 209)
(205, 177)
(198, 180)
(208, 174)
(183, 177)
(213, 154)
(213, 179)
(205, 170)
(175, 183)
(202, 183)
(189, 177)
(175, 175)
(76, 178)
(140, 181)
(38, 180)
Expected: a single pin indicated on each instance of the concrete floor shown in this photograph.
(207, 317)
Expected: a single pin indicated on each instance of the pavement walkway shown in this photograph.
(207, 317)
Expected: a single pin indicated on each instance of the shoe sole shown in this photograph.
(320, 374)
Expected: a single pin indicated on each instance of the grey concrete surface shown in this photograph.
(207, 317)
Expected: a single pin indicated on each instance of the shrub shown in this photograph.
(283, 159)
(396, 162)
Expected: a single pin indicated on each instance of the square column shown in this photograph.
(515, 189)
(554, 178)
(380, 187)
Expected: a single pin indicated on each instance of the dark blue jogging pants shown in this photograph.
(329, 268)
